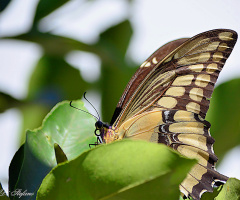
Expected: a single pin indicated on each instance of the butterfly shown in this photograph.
(167, 99)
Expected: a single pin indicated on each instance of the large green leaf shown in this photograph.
(124, 169)
(230, 191)
(224, 116)
(71, 129)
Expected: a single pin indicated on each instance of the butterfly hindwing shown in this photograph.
(188, 133)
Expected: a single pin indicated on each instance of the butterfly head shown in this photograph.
(102, 128)
(99, 125)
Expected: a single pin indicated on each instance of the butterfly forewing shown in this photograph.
(167, 99)
(198, 64)
(138, 79)
(190, 67)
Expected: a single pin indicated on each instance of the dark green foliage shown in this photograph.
(15, 168)
(4, 4)
(45, 7)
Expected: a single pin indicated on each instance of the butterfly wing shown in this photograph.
(193, 63)
(140, 75)
(168, 97)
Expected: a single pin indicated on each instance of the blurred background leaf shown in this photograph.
(3, 4)
(54, 80)
(45, 7)
(115, 70)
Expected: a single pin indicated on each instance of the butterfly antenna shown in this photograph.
(84, 96)
(82, 110)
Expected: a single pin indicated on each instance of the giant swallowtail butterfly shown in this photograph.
(167, 99)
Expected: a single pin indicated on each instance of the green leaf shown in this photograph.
(45, 7)
(3, 195)
(224, 116)
(72, 129)
(230, 190)
(124, 169)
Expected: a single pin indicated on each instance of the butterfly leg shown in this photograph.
(99, 141)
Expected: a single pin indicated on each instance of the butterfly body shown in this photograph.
(167, 99)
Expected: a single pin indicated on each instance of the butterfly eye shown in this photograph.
(98, 125)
